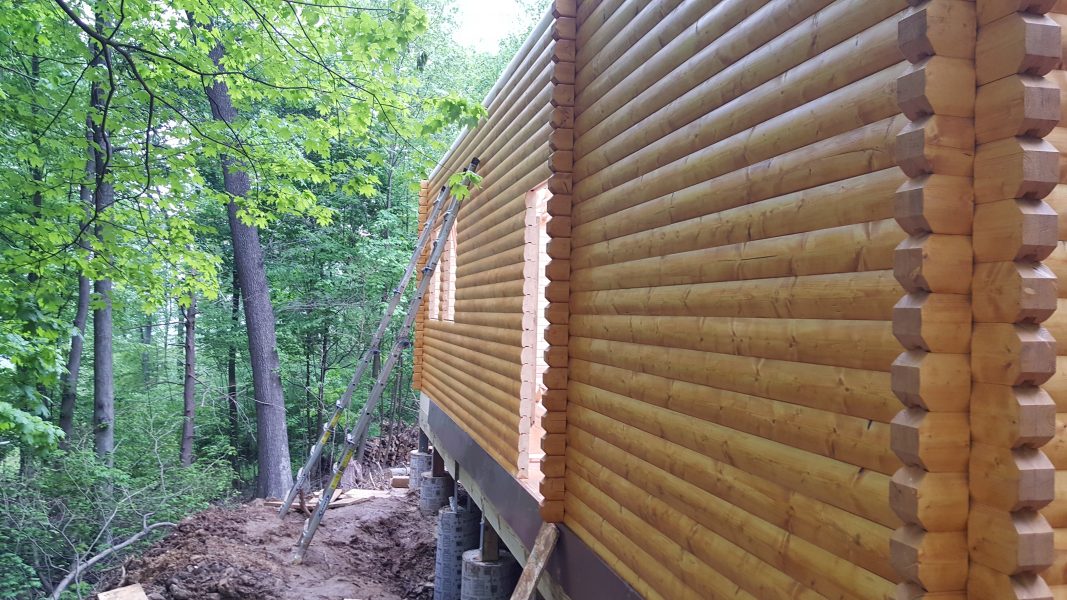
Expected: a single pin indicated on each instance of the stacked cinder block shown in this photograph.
(1012, 354)
(558, 268)
(931, 436)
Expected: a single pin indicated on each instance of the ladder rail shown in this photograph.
(356, 435)
(330, 426)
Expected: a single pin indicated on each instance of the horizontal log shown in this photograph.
(1056, 511)
(1014, 292)
(725, 536)
(506, 337)
(1012, 354)
(935, 441)
(853, 392)
(991, 10)
(856, 200)
(645, 36)
(1018, 105)
(860, 151)
(1056, 449)
(933, 381)
(866, 345)
(937, 561)
(860, 247)
(848, 487)
(1011, 230)
(863, 296)
(937, 85)
(511, 321)
(941, 28)
(492, 290)
(1012, 417)
(479, 428)
(668, 554)
(934, 501)
(1011, 480)
(934, 263)
(654, 580)
(1016, 168)
(984, 583)
(500, 274)
(848, 439)
(699, 479)
(511, 304)
(674, 163)
(937, 144)
(1017, 43)
(478, 384)
(792, 110)
(1011, 543)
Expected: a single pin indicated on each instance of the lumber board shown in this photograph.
(544, 544)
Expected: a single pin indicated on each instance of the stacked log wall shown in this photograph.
(471, 366)
(732, 296)
(1012, 353)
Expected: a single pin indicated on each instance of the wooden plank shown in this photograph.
(130, 592)
(535, 562)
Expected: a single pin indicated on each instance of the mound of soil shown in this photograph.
(380, 549)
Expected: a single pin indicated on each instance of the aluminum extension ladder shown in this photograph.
(356, 436)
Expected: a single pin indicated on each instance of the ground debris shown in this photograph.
(379, 549)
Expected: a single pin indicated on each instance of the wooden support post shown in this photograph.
(1010, 478)
(490, 544)
(438, 468)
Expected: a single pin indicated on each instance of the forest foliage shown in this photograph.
(114, 189)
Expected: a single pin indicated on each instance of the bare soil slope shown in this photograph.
(380, 549)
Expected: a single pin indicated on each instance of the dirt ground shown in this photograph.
(380, 549)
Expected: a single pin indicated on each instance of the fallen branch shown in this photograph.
(79, 566)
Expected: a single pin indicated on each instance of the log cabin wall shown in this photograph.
(1012, 353)
(471, 366)
(732, 295)
(802, 264)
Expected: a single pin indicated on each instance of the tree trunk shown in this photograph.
(231, 375)
(69, 394)
(69, 382)
(189, 389)
(275, 472)
(146, 350)
(103, 198)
